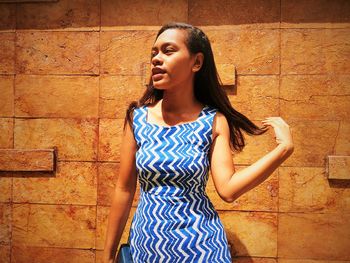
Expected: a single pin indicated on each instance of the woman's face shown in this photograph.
(170, 54)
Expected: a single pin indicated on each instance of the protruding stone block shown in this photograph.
(338, 167)
(27, 159)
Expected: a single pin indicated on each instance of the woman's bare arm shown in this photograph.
(231, 184)
(123, 195)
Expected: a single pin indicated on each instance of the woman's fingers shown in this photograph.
(281, 129)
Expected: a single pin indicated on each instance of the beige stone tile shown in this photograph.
(55, 255)
(111, 132)
(251, 234)
(107, 178)
(316, 236)
(6, 132)
(61, 15)
(313, 141)
(27, 160)
(99, 256)
(6, 91)
(117, 92)
(5, 224)
(75, 139)
(256, 146)
(57, 52)
(227, 74)
(252, 14)
(102, 222)
(141, 13)
(306, 189)
(5, 252)
(254, 260)
(338, 167)
(315, 51)
(251, 51)
(284, 260)
(315, 97)
(73, 183)
(7, 53)
(315, 14)
(66, 226)
(256, 97)
(56, 96)
(264, 197)
(342, 144)
(7, 17)
(5, 187)
(124, 52)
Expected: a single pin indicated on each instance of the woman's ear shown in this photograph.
(198, 62)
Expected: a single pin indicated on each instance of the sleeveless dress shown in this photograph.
(175, 221)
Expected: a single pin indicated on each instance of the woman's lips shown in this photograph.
(157, 76)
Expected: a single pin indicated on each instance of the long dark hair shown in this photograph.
(207, 88)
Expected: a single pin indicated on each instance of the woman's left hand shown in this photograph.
(283, 134)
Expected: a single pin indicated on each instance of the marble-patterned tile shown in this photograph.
(7, 52)
(124, 52)
(315, 97)
(316, 236)
(75, 139)
(5, 187)
(247, 14)
(315, 51)
(7, 96)
(315, 14)
(251, 234)
(22, 253)
(342, 144)
(56, 96)
(313, 141)
(110, 139)
(255, 146)
(5, 254)
(102, 222)
(251, 51)
(72, 183)
(263, 197)
(294, 260)
(5, 224)
(117, 92)
(141, 13)
(249, 259)
(6, 131)
(57, 52)
(60, 15)
(307, 189)
(256, 97)
(107, 178)
(65, 226)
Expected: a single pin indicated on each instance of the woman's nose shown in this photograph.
(156, 59)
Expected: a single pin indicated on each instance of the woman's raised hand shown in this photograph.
(283, 134)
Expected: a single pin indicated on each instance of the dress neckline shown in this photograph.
(176, 125)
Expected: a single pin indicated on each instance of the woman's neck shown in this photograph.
(179, 101)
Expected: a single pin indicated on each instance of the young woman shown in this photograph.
(183, 126)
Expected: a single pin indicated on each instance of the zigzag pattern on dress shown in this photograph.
(175, 221)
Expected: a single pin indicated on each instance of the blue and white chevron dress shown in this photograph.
(175, 221)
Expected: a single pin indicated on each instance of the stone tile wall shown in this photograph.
(69, 69)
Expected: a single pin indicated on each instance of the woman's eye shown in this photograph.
(166, 51)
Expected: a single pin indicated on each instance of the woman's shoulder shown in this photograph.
(220, 124)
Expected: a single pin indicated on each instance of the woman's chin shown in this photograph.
(159, 85)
